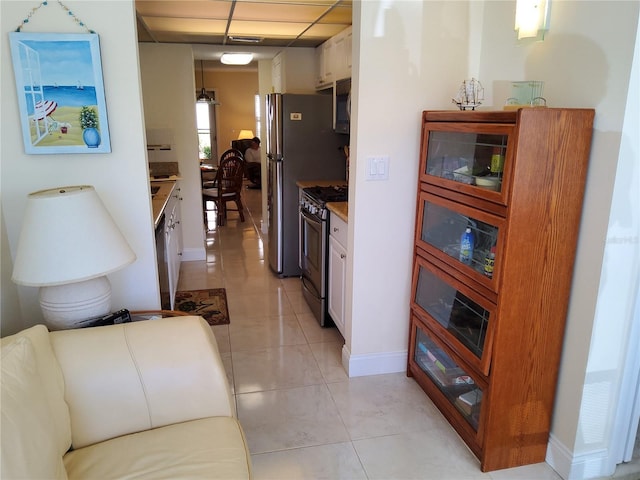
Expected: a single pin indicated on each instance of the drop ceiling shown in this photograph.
(243, 23)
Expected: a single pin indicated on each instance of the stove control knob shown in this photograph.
(313, 209)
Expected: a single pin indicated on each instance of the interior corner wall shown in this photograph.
(120, 177)
(168, 90)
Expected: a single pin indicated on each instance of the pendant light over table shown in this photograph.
(204, 97)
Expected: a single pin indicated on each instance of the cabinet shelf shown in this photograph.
(498, 319)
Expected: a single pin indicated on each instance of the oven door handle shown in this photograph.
(309, 286)
(310, 218)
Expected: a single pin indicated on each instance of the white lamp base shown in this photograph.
(63, 306)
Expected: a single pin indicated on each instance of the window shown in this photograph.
(258, 112)
(206, 125)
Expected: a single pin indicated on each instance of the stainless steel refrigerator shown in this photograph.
(301, 145)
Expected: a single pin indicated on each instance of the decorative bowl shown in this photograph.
(490, 183)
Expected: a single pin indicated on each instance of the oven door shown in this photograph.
(313, 254)
(313, 249)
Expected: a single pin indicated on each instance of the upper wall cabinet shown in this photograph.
(333, 59)
(292, 71)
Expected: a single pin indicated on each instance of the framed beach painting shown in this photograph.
(60, 92)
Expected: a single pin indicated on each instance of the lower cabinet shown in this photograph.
(337, 269)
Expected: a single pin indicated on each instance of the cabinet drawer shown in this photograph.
(459, 315)
(338, 229)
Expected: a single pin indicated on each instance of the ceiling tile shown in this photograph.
(278, 12)
(264, 29)
(184, 8)
(278, 23)
(182, 25)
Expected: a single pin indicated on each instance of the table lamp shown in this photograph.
(67, 245)
(245, 134)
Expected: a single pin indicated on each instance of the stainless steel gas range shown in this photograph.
(314, 246)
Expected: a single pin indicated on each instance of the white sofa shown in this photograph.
(143, 400)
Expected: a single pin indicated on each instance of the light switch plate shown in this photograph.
(377, 168)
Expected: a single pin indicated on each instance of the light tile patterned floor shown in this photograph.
(303, 417)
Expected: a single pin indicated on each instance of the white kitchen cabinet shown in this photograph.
(173, 241)
(342, 55)
(333, 59)
(337, 270)
(293, 71)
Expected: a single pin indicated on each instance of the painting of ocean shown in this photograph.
(66, 96)
(60, 92)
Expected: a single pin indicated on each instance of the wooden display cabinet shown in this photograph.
(487, 331)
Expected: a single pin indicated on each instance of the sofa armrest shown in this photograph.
(130, 377)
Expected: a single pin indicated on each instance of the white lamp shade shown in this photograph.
(245, 134)
(68, 236)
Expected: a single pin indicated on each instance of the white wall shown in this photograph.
(407, 57)
(120, 177)
(595, 59)
(168, 90)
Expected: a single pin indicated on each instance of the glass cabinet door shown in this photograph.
(459, 313)
(470, 158)
(465, 236)
(458, 387)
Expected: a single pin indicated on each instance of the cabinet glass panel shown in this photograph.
(443, 229)
(465, 157)
(461, 316)
(458, 387)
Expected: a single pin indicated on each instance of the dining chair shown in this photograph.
(227, 187)
(208, 179)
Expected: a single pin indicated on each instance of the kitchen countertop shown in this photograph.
(320, 183)
(341, 209)
(160, 199)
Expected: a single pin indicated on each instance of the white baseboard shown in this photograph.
(373, 364)
(593, 464)
(194, 254)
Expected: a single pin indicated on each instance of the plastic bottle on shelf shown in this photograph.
(466, 246)
(489, 262)
(497, 161)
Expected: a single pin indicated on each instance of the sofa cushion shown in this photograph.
(210, 448)
(52, 381)
(169, 369)
(29, 447)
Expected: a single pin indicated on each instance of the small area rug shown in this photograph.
(211, 304)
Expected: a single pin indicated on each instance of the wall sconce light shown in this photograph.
(68, 244)
(532, 18)
(236, 58)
